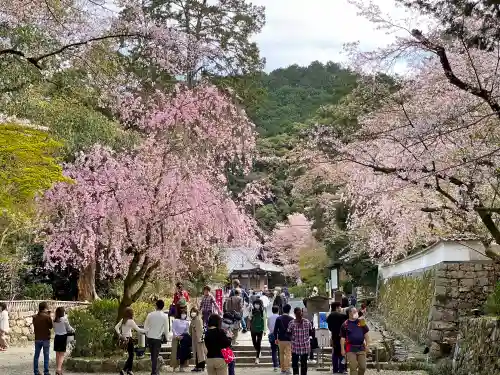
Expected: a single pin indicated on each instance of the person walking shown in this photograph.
(216, 340)
(283, 339)
(208, 305)
(257, 321)
(300, 330)
(271, 325)
(335, 321)
(124, 330)
(354, 342)
(42, 325)
(4, 326)
(246, 301)
(279, 300)
(156, 325)
(181, 348)
(196, 332)
(234, 307)
(62, 329)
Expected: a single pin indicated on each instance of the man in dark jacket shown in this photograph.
(335, 321)
(284, 339)
(42, 325)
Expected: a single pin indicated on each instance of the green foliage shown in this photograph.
(38, 291)
(295, 93)
(70, 120)
(95, 327)
(106, 310)
(299, 291)
(313, 265)
(405, 303)
(28, 165)
(93, 337)
(492, 306)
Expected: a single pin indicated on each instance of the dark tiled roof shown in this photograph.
(246, 258)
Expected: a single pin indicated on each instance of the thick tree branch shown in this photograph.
(440, 51)
(35, 60)
(145, 281)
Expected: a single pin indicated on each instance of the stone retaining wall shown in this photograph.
(459, 288)
(427, 304)
(478, 349)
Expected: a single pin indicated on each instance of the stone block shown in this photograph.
(478, 267)
(466, 283)
(435, 335)
(442, 326)
(453, 267)
(440, 290)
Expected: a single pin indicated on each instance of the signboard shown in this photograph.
(322, 320)
(334, 278)
(218, 298)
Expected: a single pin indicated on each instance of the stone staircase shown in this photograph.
(245, 356)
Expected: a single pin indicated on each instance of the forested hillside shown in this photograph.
(291, 97)
(293, 94)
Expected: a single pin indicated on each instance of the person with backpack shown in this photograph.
(258, 322)
(234, 307)
(284, 339)
(354, 342)
(124, 330)
(246, 300)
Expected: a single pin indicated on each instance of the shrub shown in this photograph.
(38, 291)
(492, 306)
(298, 290)
(92, 337)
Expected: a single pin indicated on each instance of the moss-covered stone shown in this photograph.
(405, 303)
(478, 351)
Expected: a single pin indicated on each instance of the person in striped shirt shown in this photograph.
(300, 330)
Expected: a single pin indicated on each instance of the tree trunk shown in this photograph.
(125, 302)
(86, 284)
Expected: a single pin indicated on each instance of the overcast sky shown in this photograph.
(301, 31)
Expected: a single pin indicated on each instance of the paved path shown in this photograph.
(18, 361)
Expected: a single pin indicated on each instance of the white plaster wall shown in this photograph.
(435, 254)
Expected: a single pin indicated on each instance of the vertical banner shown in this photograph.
(218, 298)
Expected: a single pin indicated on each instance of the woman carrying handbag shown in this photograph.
(124, 330)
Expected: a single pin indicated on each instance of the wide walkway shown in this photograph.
(18, 361)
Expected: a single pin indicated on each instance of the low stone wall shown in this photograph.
(478, 349)
(21, 322)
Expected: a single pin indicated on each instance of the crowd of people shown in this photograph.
(208, 333)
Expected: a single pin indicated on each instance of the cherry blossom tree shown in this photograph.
(288, 241)
(423, 164)
(132, 214)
